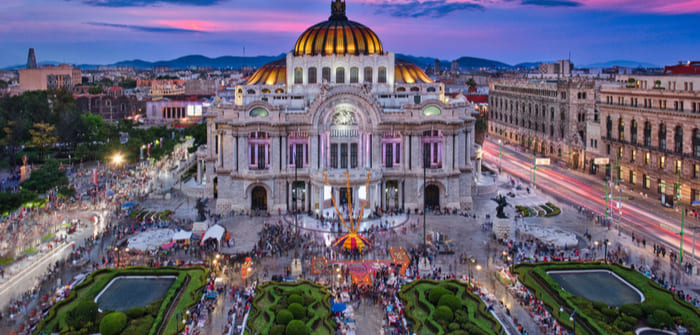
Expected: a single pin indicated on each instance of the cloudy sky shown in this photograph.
(513, 31)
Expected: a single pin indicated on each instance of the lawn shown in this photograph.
(467, 314)
(278, 305)
(661, 308)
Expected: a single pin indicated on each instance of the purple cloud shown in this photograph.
(434, 9)
(149, 29)
(143, 3)
(552, 3)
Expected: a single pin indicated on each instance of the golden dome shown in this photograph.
(406, 72)
(338, 36)
(273, 73)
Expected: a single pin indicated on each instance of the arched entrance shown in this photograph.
(258, 198)
(432, 197)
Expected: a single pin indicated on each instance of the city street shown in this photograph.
(645, 217)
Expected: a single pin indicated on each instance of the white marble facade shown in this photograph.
(278, 130)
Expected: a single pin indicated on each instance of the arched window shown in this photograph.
(633, 132)
(621, 129)
(311, 77)
(608, 127)
(400, 89)
(551, 130)
(265, 90)
(551, 112)
(354, 75)
(326, 74)
(279, 90)
(298, 75)
(251, 91)
(340, 75)
(678, 140)
(431, 89)
(696, 143)
(647, 134)
(662, 137)
(381, 76)
(368, 74)
(415, 89)
(544, 129)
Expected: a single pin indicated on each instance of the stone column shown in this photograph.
(376, 150)
(243, 153)
(199, 171)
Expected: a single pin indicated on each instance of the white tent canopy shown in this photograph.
(182, 235)
(216, 232)
(199, 227)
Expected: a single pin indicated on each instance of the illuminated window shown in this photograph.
(298, 75)
(634, 154)
(381, 76)
(662, 162)
(621, 129)
(633, 177)
(326, 74)
(340, 75)
(646, 158)
(354, 75)
(678, 166)
(647, 182)
(312, 75)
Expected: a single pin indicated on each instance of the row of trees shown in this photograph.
(38, 122)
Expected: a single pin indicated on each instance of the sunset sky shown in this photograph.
(661, 32)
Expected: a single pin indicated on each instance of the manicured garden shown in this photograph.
(660, 309)
(291, 309)
(546, 210)
(446, 307)
(80, 314)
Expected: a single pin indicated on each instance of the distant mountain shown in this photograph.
(621, 63)
(225, 62)
(528, 65)
(424, 62)
(473, 62)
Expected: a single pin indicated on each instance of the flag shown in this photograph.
(94, 176)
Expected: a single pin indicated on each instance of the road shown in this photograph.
(33, 272)
(643, 217)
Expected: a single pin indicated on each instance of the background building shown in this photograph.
(652, 124)
(49, 77)
(552, 118)
(339, 104)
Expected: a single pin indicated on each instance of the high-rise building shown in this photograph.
(552, 118)
(651, 124)
(340, 105)
(31, 59)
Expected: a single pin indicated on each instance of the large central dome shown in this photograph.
(338, 36)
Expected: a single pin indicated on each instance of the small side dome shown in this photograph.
(406, 72)
(273, 73)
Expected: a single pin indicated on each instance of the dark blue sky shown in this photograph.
(660, 32)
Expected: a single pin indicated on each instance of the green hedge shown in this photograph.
(272, 297)
(473, 317)
(90, 287)
(596, 317)
(555, 210)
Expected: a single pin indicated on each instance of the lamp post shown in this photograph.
(500, 154)
(425, 203)
(116, 250)
(294, 209)
(606, 242)
(572, 317)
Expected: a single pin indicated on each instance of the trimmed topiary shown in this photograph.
(295, 298)
(435, 294)
(443, 313)
(283, 317)
(85, 312)
(634, 310)
(450, 301)
(659, 319)
(277, 329)
(135, 313)
(139, 326)
(298, 311)
(113, 323)
(296, 327)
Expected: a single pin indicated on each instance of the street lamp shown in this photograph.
(572, 317)
(606, 242)
(500, 154)
(471, 260)
(116, 250)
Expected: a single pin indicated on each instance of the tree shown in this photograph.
(3, 84)
(46, 177)
(96, 90)
(472, 84)
(43, 136)
(65, 115)
(128, 83)
(10, 140)
(113, 323)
